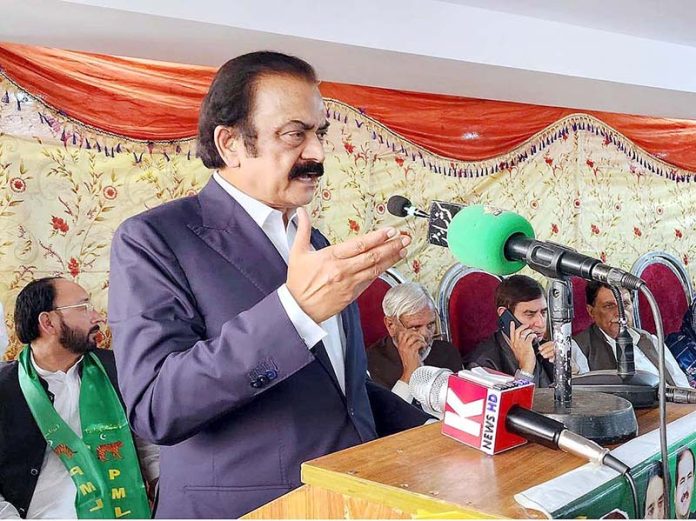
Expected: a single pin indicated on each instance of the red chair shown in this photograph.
(669, 282)
(582, 319)
(370, 306)
(466, 299)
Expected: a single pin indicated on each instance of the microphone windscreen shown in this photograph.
(477, 236)
(397, 204)
(428, 386)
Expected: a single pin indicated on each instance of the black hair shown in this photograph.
(516, 289)
(592, 289)
(230, 99)
(35, 298)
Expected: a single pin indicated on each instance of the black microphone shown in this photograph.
(625, 364)
(553, 259)
(551, 433)
(399, 206)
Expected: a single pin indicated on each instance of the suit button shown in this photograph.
(271, 374)
(351, 411)
(34, 472)
(22, 510)
(263, 380)
(256, 383)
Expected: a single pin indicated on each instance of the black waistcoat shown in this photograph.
(22, 446)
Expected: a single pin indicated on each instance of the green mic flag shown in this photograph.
(477, 236)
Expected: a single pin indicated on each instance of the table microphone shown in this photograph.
(445, 393)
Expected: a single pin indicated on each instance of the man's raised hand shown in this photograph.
(324, 282)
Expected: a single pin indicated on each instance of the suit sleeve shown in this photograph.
(173, 377)
(391, 413)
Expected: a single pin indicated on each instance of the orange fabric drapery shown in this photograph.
(148, 100)
(139, 99)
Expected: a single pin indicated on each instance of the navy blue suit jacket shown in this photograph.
(212, 368)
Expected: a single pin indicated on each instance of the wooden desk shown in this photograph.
(421, 472)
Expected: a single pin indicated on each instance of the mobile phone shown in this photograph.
(508, 318)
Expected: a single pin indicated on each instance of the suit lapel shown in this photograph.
(229, 231)
(350, 330)
(601, 352)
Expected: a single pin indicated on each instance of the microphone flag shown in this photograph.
(477, 405)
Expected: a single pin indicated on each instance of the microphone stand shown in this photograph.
(661, 396)
(625, 363)
(603, 418)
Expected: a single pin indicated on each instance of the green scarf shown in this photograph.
(103, 463)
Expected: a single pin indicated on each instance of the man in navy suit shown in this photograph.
(235, 330)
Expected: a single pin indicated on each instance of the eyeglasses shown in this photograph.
(88, 307)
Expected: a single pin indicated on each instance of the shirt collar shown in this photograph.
(612, 341)
(258, 211)
(44, 373)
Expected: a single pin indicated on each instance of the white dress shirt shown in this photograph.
(271, 223)
(54, 495)
(641, 361)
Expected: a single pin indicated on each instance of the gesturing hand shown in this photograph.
(324, 282)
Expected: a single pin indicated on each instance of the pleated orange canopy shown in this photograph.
(150, 100)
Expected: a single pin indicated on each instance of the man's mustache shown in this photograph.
(95, 329)
(310, 167)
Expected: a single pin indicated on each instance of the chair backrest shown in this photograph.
(466, 300)
(668, 280)
(582, 319)
(370, 306)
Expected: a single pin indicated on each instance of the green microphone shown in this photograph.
(502, 242)
(479, 234)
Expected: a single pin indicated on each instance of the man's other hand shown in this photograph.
(547, 350)
(408, 344)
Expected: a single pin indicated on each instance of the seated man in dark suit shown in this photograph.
(682, 344)
(66, 450)
(595, 348)
(511, 351)
(411, 321)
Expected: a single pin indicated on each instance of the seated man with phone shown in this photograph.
(518, 347)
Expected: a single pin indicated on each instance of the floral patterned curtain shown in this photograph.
(65, 186)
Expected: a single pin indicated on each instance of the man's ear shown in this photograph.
(228, 143)
(501, 310)
(389, 324)
(47, 325)
(590, 310)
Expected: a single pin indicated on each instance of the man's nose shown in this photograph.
(539, 322)
(314, 149)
